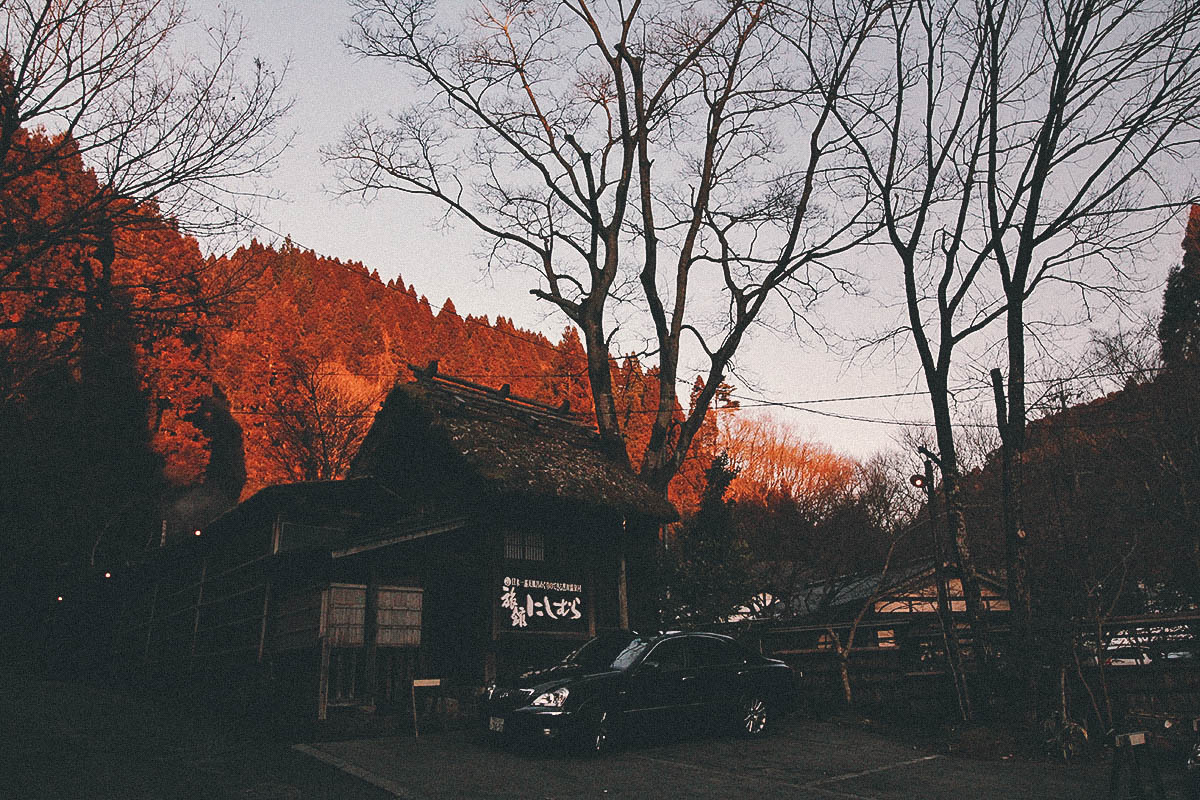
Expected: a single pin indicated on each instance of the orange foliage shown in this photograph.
(73, 280)
(773, 462)
(245, 321)
(302, 306)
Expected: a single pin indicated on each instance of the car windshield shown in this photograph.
(609, 652)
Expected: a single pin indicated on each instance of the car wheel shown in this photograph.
(598, 734)
(753, 714)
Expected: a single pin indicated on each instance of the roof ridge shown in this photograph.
(500, 398)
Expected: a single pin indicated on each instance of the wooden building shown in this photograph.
(476, 534)
(889, 609)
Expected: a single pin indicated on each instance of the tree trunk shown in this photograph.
(967, 572)
(844, 669)
(371, 637)
(600, 381)
(957, 524)
(945, 613)
(1011, 460)
(842, 651)
(1015, 534)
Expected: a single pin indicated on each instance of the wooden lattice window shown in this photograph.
(524, 546)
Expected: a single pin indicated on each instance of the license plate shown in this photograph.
(496, 724)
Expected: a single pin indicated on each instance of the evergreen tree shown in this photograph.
(1179, 329)
(707, 568)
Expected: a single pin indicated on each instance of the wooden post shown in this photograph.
(276, 535)
(416, 731)
(494, 543)
(196, 615)
(421, 683)
(622, 585)
(1127, 759)
(370, 635)
(323, 681)
(589, 593)
(323, 664)
(150, 621)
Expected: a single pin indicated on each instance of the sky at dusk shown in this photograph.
(398, 235)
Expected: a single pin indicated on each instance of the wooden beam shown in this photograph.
(262, 630)
(404, 537)
(493, 545)
(589, 587)
(623, 594)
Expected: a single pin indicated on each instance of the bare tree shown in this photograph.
(1028, 145)
(1087, 125)
(843, 639)
(925, 152)
(320, 418)
(126, 135)
(823, 549)
(183, 130)
(662, 155)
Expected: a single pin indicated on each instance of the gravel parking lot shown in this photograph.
(802, 759)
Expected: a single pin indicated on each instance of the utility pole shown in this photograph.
(944, 611)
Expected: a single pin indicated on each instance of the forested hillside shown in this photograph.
(313, 344)
(147, 388)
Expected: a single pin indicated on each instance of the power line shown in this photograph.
(745, 401)
(1057, 424)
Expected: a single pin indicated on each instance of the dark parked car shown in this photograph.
(619, 683)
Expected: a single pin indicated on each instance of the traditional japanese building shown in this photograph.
(476, 534)
(894, 609)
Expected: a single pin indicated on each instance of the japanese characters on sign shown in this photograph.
(534, 604)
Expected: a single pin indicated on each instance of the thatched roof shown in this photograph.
(513, 446)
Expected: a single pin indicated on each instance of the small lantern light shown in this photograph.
(917, 481)
(60, 598)
(197, 533)
(108, 575)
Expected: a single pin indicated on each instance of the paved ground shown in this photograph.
(74, 741)
(60, 741)
(803, 759)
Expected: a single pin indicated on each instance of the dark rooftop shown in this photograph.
(851, 591)
(365, 500)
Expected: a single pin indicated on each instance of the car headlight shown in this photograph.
(552, 699)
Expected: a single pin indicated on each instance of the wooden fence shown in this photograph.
(898, 666)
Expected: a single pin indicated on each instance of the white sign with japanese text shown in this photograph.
(535, 604)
